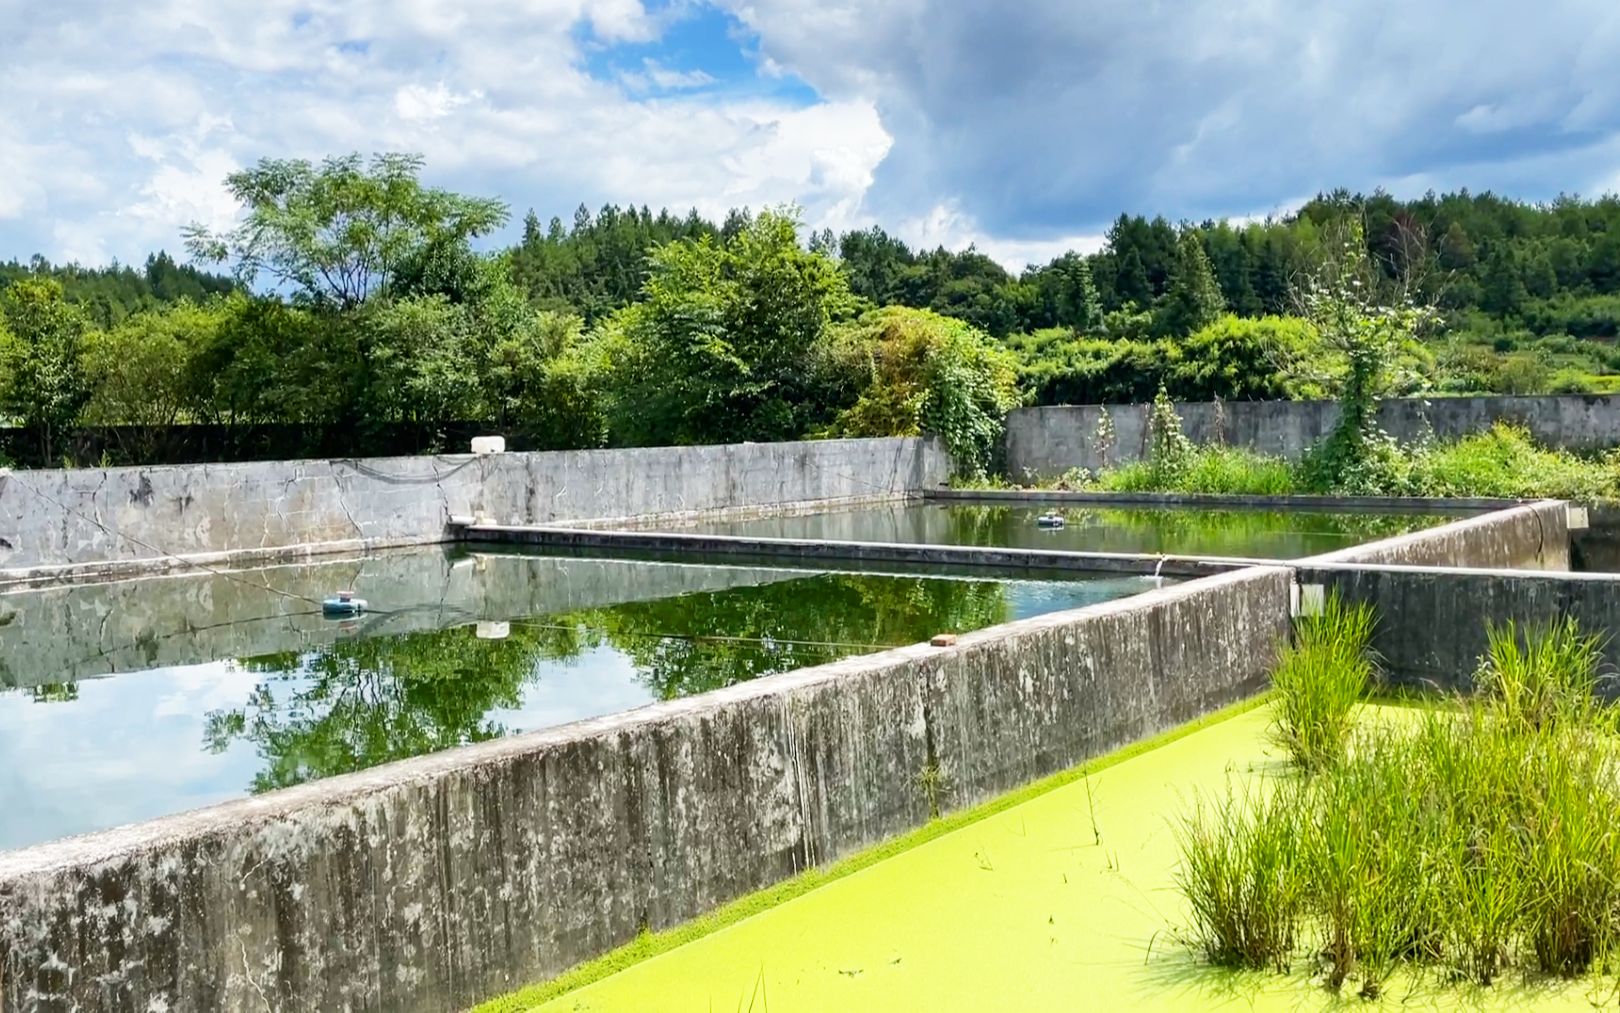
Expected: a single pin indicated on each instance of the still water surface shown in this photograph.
(127, 701)
(1257, 534)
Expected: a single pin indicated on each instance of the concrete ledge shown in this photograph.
(1335, 504)
(433, 883)
(1432, 621)
(1534, 536)
(884, 552)
(122, 520)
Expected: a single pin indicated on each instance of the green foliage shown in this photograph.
(1193, 300)
(723, 344)
(1503, 463)
(339, 232)
(1539, 675)
(1239, 872)
(107, 295)
(1367, 330)
(1169, 452)
(1237, 359)
(1484, 834)
(915, 372)
(46, 383)
(140, 371)
(1319, 679)
(1224, 471)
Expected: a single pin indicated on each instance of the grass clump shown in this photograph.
(1241, 877)
(1541, 673)
(1222, 471)
(1479, 838)
(1318, 681)
(1504, 462)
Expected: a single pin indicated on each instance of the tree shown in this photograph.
(337, 232)
(1194, 299)
(919, 372)
(722, 345)
(42, 358)
(141, 373)
(1341, 299)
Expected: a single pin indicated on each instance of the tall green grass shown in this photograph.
(1502, 462)
(1318, 681)
(1241, 878)
(1479, 838)
(1222, 471)
(1541, 673)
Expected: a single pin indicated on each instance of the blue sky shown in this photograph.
(1023, 128)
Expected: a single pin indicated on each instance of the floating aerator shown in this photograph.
(344, 603)
(1050, 520)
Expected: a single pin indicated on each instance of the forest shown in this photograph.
(354, 299)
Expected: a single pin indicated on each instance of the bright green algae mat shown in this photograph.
(1062, 901)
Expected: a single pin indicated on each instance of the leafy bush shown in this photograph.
(916, 371)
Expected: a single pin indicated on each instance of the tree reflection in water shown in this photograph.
(365, 701)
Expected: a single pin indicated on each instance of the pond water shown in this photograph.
(130, 700)
(1257, 534)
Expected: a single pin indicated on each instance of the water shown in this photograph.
(131, 700)
(1258, 534)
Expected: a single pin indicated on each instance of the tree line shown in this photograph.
(351, 297)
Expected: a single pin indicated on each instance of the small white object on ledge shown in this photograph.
(489, 445)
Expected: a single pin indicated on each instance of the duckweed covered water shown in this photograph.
(127, 701)
(1260, 534)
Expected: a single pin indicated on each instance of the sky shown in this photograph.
(1023, 128)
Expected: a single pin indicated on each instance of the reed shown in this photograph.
(1319, 680)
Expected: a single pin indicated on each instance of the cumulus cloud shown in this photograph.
(122, 121)
(1049, 117)
(1022, 128)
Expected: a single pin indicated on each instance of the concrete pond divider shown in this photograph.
(435, 882)
(1432, 621)
(96, 521)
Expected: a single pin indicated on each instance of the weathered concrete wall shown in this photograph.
(1431, 622)
(65, 633)
(1046, 442)
(210, 511)
(1534, 536)
(432, 883)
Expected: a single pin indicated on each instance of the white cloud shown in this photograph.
(1050, 117)
(415, 102)
(156, 104)
(1021, 128)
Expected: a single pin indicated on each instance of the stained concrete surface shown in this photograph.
(432, 883)
(1048, 441)
(134, 517)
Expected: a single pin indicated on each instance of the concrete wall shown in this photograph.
(436, 882)
(1431, 622)
(65, 633)
(1535, 536)
(62, 518)
(1046, 442)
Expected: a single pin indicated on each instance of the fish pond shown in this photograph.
(1187, 531)
(129, 700)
